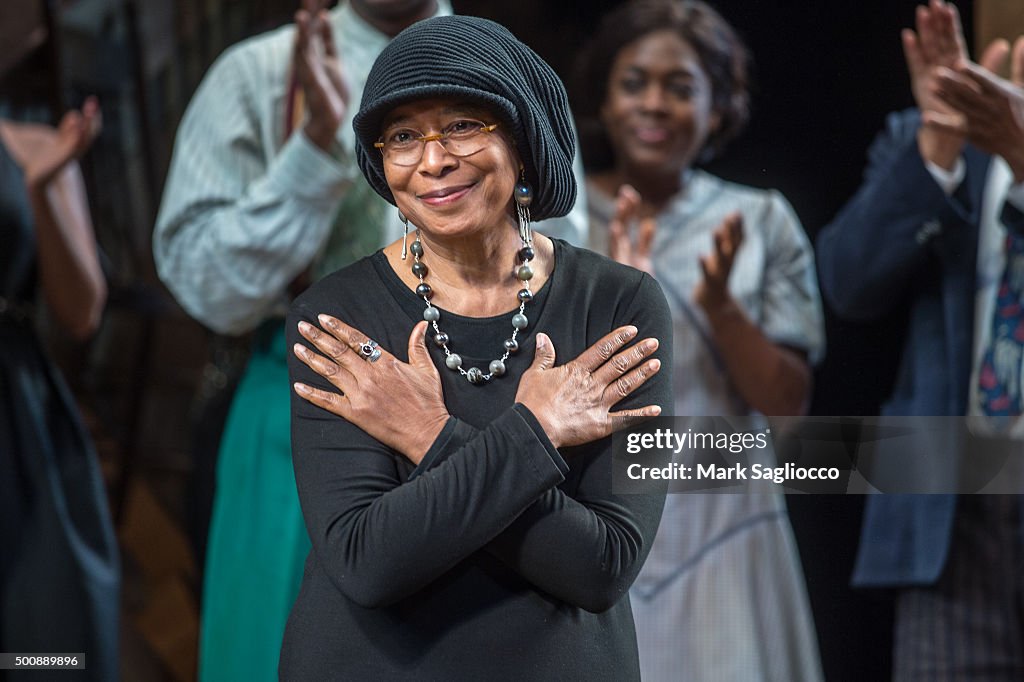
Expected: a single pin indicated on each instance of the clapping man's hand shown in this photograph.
(318, 72)
(937, 42)
(988, 110)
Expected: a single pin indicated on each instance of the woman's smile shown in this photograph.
(446, 196)
(651, 134)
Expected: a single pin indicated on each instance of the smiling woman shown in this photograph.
(455, 482)
(462, 183)
(660, 75)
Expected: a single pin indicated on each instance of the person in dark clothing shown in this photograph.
(60, 571)
(457, 493)
(936, 234)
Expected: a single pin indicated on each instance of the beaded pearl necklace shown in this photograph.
(431, 314)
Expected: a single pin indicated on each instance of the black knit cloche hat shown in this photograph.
(479, 61)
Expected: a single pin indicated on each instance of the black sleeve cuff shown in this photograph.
(531, 421)
(433, 455)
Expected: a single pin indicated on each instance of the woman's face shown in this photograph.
(442, 193)
(658, 109)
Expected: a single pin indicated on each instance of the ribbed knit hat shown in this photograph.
(480, 61)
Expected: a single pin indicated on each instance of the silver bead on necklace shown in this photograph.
(475, 375)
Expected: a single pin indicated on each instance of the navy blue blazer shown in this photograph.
(901, 243)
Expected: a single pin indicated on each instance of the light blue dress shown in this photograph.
(722, 595)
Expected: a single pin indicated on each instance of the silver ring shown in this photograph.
(370, 350)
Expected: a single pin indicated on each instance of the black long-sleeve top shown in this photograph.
(498, 557)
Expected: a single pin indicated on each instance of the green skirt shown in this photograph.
(258, 541)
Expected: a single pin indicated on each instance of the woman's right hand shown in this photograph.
(572, 402)
(622, 246)
(398, 403)
(712, 291)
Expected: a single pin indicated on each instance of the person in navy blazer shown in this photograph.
(904, 241)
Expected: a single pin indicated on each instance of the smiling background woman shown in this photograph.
(665, 87)
(455, 483)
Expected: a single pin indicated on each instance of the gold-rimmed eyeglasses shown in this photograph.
(404, 146)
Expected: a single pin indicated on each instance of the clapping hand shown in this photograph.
(622, 245)
(319, 73)
(712, 292)
(75, 134)
(937, 42)
(987, 110)
(938, 47)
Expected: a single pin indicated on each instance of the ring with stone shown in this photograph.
(370, 350)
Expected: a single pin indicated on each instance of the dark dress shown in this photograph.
(498, 557)
(59, 567)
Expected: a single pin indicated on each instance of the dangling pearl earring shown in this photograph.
(523, 193)
(405, 237)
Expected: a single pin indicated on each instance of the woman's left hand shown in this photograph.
(572, 402)
(384, 396)
(712, 292)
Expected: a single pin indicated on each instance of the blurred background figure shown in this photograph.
(59, 567)
(664, 86)
(936, 232)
